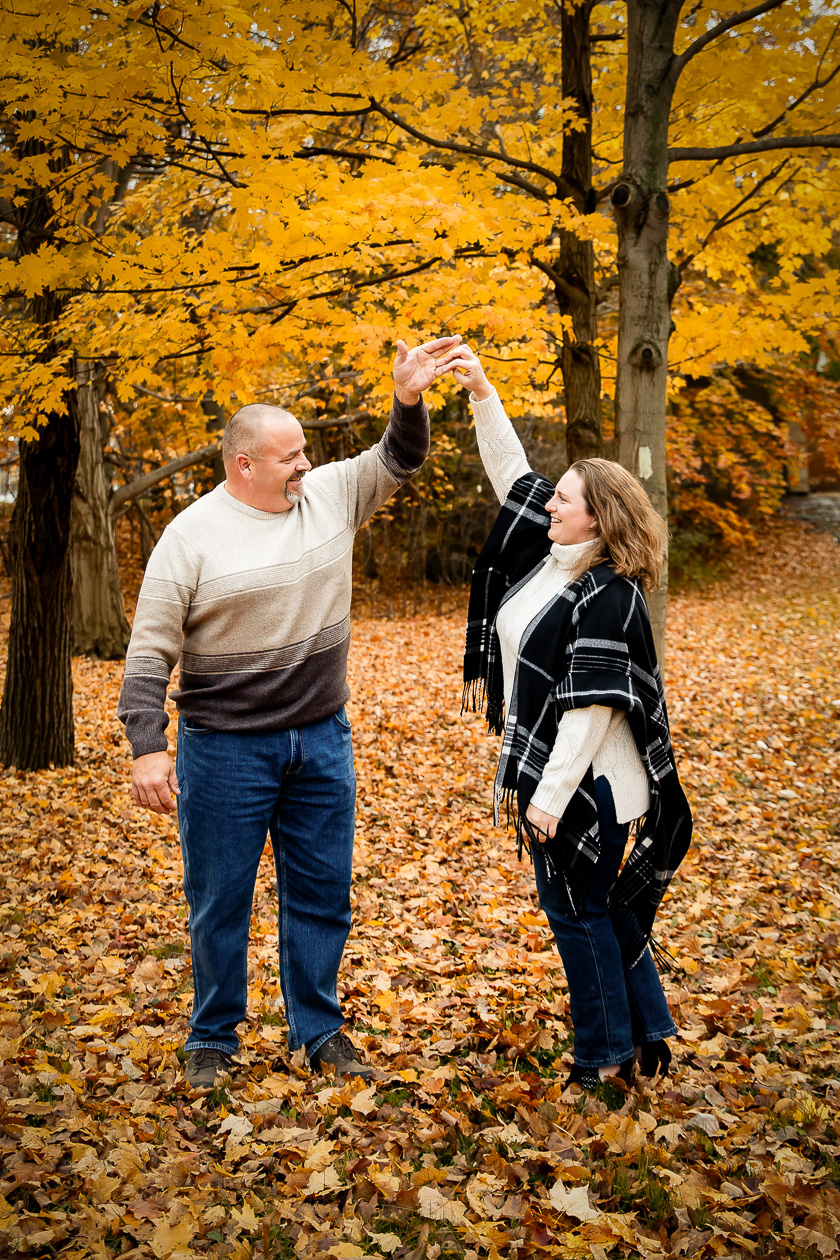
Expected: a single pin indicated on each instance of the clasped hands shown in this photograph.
(415, 370)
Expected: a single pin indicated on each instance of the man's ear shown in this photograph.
(243, 464)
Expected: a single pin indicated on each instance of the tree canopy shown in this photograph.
(246, 196)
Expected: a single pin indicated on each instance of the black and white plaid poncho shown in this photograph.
(592, 644)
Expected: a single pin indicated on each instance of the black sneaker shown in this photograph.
(339, 1053)
(205, 1067)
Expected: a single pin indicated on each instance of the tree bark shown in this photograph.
(647, 279)
(216, 421)
(100, 627)
(36, 717)
(575, 266)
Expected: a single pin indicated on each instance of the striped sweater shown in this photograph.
(256, 605)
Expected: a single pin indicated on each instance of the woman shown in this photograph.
(559, 644)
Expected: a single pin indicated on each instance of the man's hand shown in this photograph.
(465, 366)
(153, 779)
(545, 823)
(414, 370)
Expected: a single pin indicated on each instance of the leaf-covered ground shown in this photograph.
(451, 982)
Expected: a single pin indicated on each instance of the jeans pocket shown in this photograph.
(191, 727)
(341, 719)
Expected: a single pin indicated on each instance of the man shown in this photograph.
(250, 587)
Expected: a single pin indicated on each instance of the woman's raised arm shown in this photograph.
(501, 451)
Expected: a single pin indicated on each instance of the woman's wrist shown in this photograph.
(482, 392)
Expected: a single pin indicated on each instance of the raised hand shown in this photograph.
(465, 366)
(414, 370)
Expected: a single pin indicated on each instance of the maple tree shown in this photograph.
(256, 200)
(654, 71)
(451, 981)
(82, 245)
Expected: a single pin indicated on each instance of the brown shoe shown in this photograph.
(339, 1053)
(206, 1067)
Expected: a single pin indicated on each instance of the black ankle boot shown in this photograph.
(656, 1058)
(589, 1078)
(625, 1070)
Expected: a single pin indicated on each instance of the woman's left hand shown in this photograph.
(465, 366)
(545, 823)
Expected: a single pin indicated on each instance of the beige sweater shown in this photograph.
(256, 605)
(596, 735)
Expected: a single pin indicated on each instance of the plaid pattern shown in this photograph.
(592, 644)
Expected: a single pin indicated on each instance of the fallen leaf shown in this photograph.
(573, 1202)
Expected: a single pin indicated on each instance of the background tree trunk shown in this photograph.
(641, 205)
(216, 421)
(575, 282)
(36, 717)
(99, 622)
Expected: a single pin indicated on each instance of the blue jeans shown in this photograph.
(299, 786)
(613, 1009)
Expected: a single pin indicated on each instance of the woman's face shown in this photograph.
(570, 520)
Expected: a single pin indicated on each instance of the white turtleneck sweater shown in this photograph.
(595, 736)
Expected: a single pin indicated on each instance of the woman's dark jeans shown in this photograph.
(613, 1009)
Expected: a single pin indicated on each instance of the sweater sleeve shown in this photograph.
(168, 587)
(373, 476)
(501, 451)
(579, 736)
(399, 454)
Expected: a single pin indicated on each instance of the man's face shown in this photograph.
(277, 472)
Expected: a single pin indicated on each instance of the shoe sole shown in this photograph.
(218, 1079)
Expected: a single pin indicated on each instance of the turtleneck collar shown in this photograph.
(569, 555)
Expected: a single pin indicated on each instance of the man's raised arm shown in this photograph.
(373, 476)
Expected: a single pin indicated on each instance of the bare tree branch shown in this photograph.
(313, 113)
(738, 211)
(572, 295)
(803, 96)
(126, 494)
(165, 398)
(519, 181)
(708, 37)
(754, 146)
(135, 488)
(315, 151)
(474, 150)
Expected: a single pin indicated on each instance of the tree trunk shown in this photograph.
(99, 623)
(216, 422)
(641, 205)
(575, 286)
(36, 717)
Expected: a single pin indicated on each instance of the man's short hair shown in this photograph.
(245, 431)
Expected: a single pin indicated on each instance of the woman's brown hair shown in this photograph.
(633, 536)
